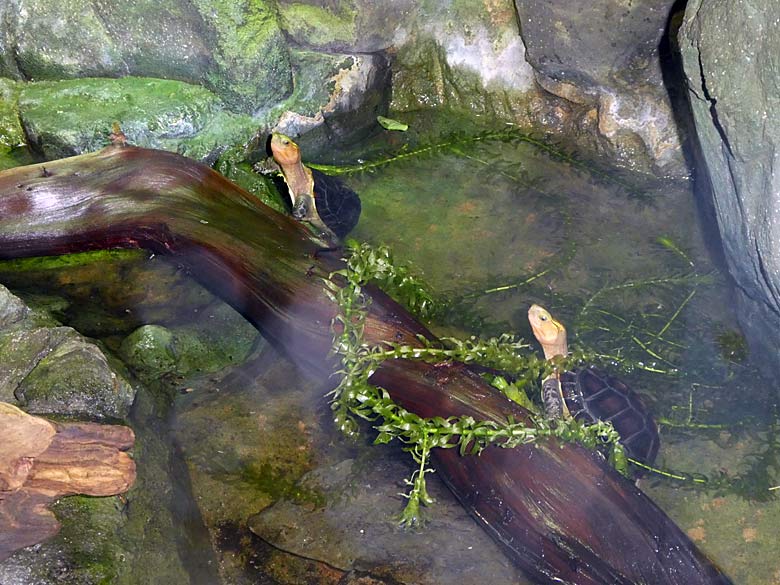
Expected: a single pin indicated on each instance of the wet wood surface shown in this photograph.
(560, 512)
(41, 461)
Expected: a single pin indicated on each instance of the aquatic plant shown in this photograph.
(356, 398)
(511, 134)
(511, 369)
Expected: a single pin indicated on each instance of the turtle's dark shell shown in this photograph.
(337, 205)
(592, 395)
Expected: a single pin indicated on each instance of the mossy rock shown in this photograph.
(149, 351)
(74, 378)
(328, 27)
(56, 40)
(63, 118)
(12, 138)
(219, 337)
(253, 66)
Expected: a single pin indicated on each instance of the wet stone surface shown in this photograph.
(358, 528)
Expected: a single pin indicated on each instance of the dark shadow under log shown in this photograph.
(561, 513)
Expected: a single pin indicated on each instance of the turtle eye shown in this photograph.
(542, 317)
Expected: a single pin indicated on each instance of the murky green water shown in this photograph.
(493, 225)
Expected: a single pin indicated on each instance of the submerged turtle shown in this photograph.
(323, 201)
(588, 394)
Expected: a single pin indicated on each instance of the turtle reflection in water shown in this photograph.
(323, 201)
(589, 395)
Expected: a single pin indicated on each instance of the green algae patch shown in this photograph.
(247, 436)
(221, 129)
(12, 138)
(68, 260)
(88, 538)
(251, 53)
(68, 117)
(316, 26)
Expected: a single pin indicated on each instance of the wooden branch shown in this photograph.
(41, 461)
(561, 513)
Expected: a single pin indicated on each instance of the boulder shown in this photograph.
(54, 369)
(604, 56)
(729, 54)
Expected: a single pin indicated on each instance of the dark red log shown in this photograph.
(561, 513)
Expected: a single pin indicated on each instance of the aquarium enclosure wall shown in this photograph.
(342, 292)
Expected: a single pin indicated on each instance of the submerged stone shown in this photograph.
(357, 529)
(149, 351)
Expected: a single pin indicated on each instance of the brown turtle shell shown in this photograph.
(592, 395)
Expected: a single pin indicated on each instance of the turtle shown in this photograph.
(323, 201)
(587, 394)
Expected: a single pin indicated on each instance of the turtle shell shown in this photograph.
(337, 205)
(592, 395)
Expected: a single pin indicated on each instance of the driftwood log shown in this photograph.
(41, 461)
(561, 513)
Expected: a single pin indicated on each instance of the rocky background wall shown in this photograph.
(330, 66)
(730, 51)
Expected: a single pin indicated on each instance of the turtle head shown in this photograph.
(549, 332)
(285, 151)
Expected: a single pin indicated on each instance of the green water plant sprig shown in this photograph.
(356, 398)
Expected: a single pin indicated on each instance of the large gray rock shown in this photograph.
(604, 55)
(54, 370)
(730, 52)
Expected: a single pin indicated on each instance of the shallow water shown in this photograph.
(493, 225)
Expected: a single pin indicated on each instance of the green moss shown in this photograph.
(234, 166)
(68, 260)
(88, 538)
(220, 130)
(11, 133)
(12, 138)
(66, 117)
(280, 483)
(253, 66)
(318, 26)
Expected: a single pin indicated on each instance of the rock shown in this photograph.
(12, 309)
(63, 118)
(11, 133)
(54, 369)
(357, 529)
(237, 47)
(75, 378)
(253, 63)
(338, 26)
(464, 56)
(604, 56)
(357, 89)
(730, 53)
(149, 351)
(153, 351)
